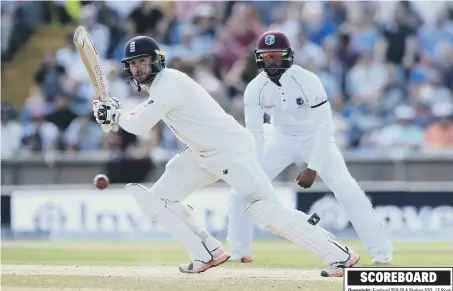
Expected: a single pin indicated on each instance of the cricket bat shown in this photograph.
(92, 62)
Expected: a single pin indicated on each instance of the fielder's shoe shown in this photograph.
(337, 269)
(219, 256)
(383, 259)
(240, 259)
(235, 257)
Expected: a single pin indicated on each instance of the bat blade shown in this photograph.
(91, 60)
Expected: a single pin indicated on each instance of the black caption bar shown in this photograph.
(398, 277)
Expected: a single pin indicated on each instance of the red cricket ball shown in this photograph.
(101, 181)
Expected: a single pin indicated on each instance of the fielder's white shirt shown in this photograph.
(190, 112)
(299, 107)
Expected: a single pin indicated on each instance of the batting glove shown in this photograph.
(107, 113)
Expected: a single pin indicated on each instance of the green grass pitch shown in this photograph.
(103, 265)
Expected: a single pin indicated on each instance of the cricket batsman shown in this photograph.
(218, 147)
(301, 130)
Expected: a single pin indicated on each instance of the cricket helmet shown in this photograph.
(143, 46)
(274, 46)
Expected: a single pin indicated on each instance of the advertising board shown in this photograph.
(114, 213)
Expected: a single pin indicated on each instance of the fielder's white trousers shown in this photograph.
(280, 151)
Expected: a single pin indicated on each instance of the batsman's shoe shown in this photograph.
(382, 259)
(337, 269)
(219, 256)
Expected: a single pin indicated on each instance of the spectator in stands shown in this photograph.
(17, 26)
(331, 83)
(67, 55)
(100, 34)
(363, 118)
(205, 76)
(205, 22)
(393, 93)
(34, 103)
(421, 107)
(366, 36)
(404, 134)
(111, 19)
(7, 23)
(371, 59)
(400, 40)
(62, 112)
(431, 37)
(123, 8)
(49, 76)
(241, 74)
(130, 162)
(332, 64)
(116, 81)
(434, 92)
(129, 32)
(366, 80)
(447, 68)
(241, 31)
(305, 49)
(318, 26)
(11, 131)
(147, 17)
(83, 134)
(439, 135)
(190, 49)
(55, 11)
(106, 15)
(335, 12)
(282, 22)
(411, 17)
(41, 135)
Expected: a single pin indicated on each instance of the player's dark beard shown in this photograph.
(274, 71)
(142, 76)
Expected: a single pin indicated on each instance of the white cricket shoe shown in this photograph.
(236, 257)
(219, 256)
(337, 269)
(383, 259)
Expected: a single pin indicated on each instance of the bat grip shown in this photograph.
(109, 127)
(106, 127)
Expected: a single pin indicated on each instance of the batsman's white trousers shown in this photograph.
(280, 151)
(188, 171)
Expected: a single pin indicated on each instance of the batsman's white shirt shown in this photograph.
(190, 112)
(297, 108)
(218, 146)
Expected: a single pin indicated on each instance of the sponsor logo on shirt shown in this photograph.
(269, 106)
(151, 101)
(300, 101)
(320, 99)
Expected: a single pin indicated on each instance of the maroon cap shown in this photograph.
(273, 40)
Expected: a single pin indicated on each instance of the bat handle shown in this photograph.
(106, 127)
(109, 127)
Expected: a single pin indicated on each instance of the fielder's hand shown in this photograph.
(306, 178)
(107, 113)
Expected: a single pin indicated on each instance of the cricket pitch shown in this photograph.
(152, 266)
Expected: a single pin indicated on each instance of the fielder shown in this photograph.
(301, 130)
(218, 147)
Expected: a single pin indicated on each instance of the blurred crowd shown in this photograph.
(387, 68)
